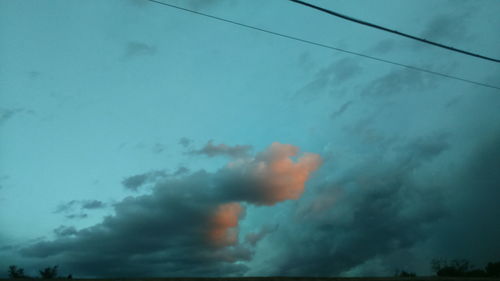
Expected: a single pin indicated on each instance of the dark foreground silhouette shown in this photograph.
(444, 270)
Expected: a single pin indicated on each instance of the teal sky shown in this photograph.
(95, 93)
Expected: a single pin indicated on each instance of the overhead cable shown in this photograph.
(333, 13)
(328, 46)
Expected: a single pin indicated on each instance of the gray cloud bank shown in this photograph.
(393, 214)
(384, 214)
(187, 226)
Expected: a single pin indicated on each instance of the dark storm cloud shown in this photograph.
(423, 149)
(187, 226)
(399, 81)
(135, 182)
(165, 233)
(213, 150)
(370, 212)
(333, 75)
(473, 228)
(135, 48)
(385, 209)
(63, 231)
(17, 246)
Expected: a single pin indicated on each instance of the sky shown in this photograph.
(141, 140)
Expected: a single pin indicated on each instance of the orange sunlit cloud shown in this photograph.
(224, 224)
(271, 177)
(281, 178)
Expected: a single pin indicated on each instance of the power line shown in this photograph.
(333, 13)
(328, 46)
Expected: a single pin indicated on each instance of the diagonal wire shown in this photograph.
(328, 46)
(333, 13)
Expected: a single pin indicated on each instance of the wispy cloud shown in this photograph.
(135, 48)
(135, 182)
(212, 150)
(75, 209)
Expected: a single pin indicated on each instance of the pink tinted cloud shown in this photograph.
(271, 177)
(279, 177)
(224, 224)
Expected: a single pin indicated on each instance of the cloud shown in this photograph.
(333, 75)
(134, 49)
(254, 237)
(92, 204)
(66, 207)
(158, 148)
(472, 229)
(185, 141)
(63, 231)
(6, 114)
(187, 226)
(74, 208)
(422, 149)
(133, 183)
(82, 204)
(400, 81)
(224, 222)
(181, 170)
(305, 61)
(398, 211)
(272, 176)
(372, 211)
(77, 216)
(171, 237)
(447, 27)
(211, 150)
(341, 110)
(384, 46)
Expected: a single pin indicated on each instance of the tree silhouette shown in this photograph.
(459, 268)
(404, 274)
(48, 272)
(15, 272)
(493, 269)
